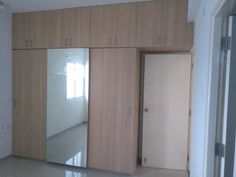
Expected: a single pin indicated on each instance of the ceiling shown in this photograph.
(39, 5)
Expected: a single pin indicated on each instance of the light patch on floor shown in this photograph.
(69, 147)
(19, 167)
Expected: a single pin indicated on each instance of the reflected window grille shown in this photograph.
(75, 80)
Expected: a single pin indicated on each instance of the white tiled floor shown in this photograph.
(69, 147)
(18, 167)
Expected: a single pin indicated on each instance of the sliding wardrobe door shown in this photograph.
(29, 93)
(113, 109)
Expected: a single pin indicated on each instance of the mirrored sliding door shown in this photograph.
(67, 106)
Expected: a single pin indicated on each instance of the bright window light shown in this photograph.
(75, 80)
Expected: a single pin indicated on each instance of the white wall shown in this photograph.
(5, 84)
(63, 113)
(204, 92)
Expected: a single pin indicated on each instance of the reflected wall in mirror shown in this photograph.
(67, 106)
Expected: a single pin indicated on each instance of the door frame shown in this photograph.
(141, 100)
(221, 9)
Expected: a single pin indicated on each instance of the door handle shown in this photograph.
(146, 110)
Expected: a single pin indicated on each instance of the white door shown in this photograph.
(166, 111)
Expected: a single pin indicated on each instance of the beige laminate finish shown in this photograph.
(29, 112)
(30, 30)
(69, 28)
(151, 24)
(125, 25)
(113, 109)
(166, 111)
(75, 27)
(163, 23)
(113, 25)
(101, 29)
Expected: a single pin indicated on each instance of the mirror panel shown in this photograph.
(67, 106)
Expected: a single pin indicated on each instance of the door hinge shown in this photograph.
(219, 150)
(188, 158)
(225, 43)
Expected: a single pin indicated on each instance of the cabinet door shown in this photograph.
(125, 25)
(29, 113)
(79, 25)
(145, 25)
(113, 110)
(56, 34)
(173, 22)
(74, 27)
(20, 27)
(101, 26)
(163, 23)
(38, 30)
(30, 30)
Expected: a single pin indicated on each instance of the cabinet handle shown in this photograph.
(115, 43)
(66, 41)
(26, 43)
(31, 43)
(109, 40)
(70, 42)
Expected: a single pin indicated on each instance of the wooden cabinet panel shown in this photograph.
(163, 23)
(38, 30)
(69, 28)
(20, 24)
(74, 27)
(30, 30)
(101, 29)
(145, 25)
(80, 25)
(113, 25)
(174, 22)
(113, 109)
(29, 113)
(125, 25)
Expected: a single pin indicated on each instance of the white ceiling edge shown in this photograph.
(193, 6)
(42, 5)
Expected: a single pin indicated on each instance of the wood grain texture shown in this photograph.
(20, 27)
(163, 23)
(29, 112)
(166, 98)
(101, 29)
(113, 127)
(125, 25)
(113, 25)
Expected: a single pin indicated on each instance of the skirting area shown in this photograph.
(18, 167)
(64, 148)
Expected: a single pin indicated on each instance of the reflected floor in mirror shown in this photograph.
(63, 148)
(19, 167)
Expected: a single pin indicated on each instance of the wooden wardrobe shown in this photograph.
(29, 111)
(113, 111)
